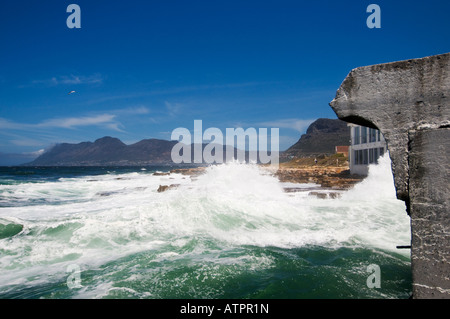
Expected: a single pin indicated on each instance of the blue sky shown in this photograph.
(141, 69)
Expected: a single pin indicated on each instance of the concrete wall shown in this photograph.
(408, 101)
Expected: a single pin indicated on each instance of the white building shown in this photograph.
(366, 146)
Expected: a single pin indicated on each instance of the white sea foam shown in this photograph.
(105, 218)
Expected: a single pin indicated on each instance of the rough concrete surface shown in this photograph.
(408, 101)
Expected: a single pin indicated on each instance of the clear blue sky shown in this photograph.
(140, 69)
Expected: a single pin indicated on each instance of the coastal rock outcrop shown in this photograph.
(321, 138)
(327, 177)
(408, 101)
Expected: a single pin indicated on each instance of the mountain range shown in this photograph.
(321, 138)
(107, 151)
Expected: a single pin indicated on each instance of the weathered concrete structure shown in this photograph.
(408, 101)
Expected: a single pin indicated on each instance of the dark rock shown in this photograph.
(325, 195)
(318, 195)
(163, 188)
(327, 177)
(160, 173)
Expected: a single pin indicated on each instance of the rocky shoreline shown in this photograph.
(338, 178)
(330, 178)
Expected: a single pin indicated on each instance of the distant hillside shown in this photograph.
(109, 151)
(321, 138)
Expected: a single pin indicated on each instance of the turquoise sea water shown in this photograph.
(230, 233)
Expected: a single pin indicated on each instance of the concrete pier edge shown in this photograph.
(408, 101)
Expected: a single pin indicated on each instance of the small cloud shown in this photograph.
(7, 124)
(70, 80)
(165, 134)
(299, 125)
(71, 122)
(115, 127)
(138, 110)
(106, 120)
(36, 153)
(23, 141)
(173, 108)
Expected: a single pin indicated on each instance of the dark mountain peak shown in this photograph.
(151, 141)
(323, 125)
(108, 140)
(321, 137)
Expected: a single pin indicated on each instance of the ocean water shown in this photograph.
(232, 232)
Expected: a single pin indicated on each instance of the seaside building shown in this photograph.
(366, 146)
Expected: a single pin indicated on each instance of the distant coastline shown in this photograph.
(320, 139)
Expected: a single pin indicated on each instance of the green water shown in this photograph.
(304, 273)
(232, 233)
